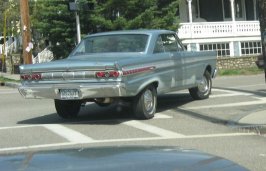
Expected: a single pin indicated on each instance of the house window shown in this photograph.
(222, 49)
(251, 48)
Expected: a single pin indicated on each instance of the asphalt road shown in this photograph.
(209, 125)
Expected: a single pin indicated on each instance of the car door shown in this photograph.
(173, 47)
(165, 66)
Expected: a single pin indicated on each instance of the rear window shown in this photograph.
(112, 43)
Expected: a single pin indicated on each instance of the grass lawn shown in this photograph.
(3, 79)
(246, 71)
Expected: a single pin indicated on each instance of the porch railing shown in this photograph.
(44, 56)
(218, 29)
(9, 48)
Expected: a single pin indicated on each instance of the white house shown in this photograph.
(229, 26)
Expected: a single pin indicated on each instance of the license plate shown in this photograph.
(69, 93)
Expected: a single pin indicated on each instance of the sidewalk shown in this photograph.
(255, 119)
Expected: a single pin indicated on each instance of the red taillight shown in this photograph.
(36, 76)
(108, 74)
(100, 74)
(23, 77)
(114, 74)
(31, 77)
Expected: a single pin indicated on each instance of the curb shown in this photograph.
(259, 128)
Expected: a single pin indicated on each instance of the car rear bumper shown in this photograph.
(85, 91)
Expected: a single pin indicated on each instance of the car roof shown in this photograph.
(131, 32)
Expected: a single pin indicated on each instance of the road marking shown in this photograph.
(152, 129)
(18, 127)
(156, 116)
(230, 95)
(259, 98)
(237, 93)
(233, 92)
(54, 145)
(67, 133)
(262, 101)
(219, 135)
(162, 116)
(252, 85)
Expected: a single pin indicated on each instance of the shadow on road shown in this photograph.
(113, 114)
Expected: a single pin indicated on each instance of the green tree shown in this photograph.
(52, 19)
(135, 14)
(3, 6)
(11, 8)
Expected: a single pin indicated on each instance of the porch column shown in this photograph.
(189, 10)
(233, 16)
(233, 10)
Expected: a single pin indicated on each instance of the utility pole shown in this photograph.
(77, 23)
(26, 35)
(76, 7)
(262, 18)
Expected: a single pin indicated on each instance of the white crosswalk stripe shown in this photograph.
(67, 133)
(152, 129)
(74, 137)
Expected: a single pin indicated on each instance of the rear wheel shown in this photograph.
(203, 90)
(145, 103)
(67, 108)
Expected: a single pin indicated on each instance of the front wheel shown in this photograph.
(67, 108)
(203, 90)
(145, 103)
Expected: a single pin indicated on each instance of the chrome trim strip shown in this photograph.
(51, 91)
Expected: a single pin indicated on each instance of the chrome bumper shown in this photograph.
(86, 91)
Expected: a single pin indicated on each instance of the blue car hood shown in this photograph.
(118, 158)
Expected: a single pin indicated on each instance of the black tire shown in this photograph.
(67, 108)
(203, 90)
(145, 103)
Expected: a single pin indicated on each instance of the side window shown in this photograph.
(170, 43)
(180, 46)
(158, 46)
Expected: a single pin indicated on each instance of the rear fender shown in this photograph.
(146, 84)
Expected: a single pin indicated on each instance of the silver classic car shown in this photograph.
(128, 66)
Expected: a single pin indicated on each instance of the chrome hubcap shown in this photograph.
(148, 100)
(203, 85)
